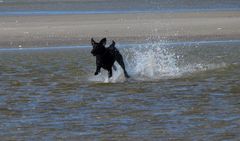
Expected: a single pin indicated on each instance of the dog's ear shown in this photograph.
(103, 41)
(92, 41)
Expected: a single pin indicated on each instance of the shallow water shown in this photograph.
(177, 91)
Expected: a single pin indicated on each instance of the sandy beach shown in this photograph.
(72, 30)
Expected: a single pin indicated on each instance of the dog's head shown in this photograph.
(98, 48)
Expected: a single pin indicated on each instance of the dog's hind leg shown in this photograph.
(110, 73)
(114, 67)
(119, 59)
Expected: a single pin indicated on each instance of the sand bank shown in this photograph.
(61, 30)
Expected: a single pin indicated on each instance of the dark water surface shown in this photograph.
(182, 91)
(36, 7)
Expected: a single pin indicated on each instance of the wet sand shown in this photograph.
(72, 30)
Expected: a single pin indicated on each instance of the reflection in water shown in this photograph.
(48, 94)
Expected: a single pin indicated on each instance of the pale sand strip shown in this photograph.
(60, 30)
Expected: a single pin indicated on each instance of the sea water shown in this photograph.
(177, 90)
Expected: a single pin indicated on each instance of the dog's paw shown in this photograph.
(126, 75)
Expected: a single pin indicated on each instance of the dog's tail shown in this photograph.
(114, 51)
(112, 45)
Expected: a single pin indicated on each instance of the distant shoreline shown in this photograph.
(171, 44)
(85, 12)
(73, 29)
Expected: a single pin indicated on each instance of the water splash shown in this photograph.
(155, 61)
(102, 77)
(151, 61)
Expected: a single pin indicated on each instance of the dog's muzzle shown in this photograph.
(93, 53)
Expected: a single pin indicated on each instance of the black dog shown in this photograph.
(105, 57)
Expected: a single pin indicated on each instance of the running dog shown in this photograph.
(105, 57)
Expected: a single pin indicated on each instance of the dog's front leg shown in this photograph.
(97, 70)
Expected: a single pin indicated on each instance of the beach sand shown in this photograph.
(73, 30)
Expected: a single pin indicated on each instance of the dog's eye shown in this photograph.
(95, 45)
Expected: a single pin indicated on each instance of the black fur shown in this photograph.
(105, 57)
